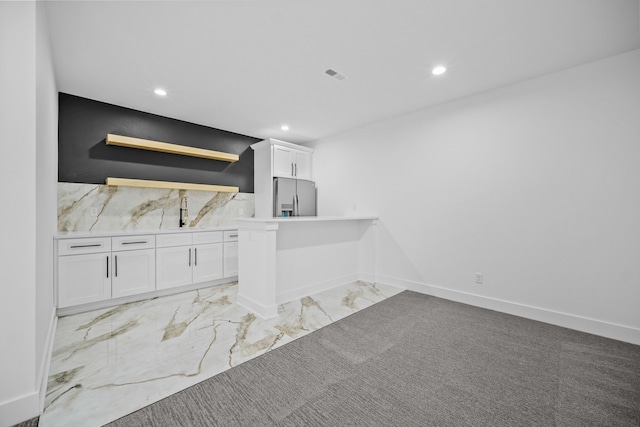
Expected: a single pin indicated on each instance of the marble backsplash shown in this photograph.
(132, 208)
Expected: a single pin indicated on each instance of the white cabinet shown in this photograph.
(173, 267)
(134, 265)
(282, 161)
(207, 262)
(134, 272)
(198, 258)
(230, 253)
(97, 269)
(84, 271)
(303, 165)
(273, 158)
(93, 271)
(83, 279)
(291, 162)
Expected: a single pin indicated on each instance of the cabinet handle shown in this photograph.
(195, 251)
(189, 257)
(116, 261)
(95, 245)
(107, 266)
(292, 173)
(295, 168)
(141, 242)
(233, 235)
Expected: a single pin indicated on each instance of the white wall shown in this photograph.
(27, 212)
(17, 183)
(46, 194)
(536, 185)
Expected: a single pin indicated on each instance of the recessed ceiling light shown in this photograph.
(284, 127)
(438, 70)
(160, 92)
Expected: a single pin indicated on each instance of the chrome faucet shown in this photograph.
(184, 212)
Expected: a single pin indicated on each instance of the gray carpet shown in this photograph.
(416, 360)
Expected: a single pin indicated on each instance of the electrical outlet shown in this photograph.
(479, 278)
(93, 211)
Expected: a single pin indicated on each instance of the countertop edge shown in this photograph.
(281, 220)
(83, 234)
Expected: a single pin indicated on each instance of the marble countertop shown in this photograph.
(81, 234)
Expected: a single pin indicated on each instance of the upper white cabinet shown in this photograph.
(274, 158)
(291, 162)
(282, 161)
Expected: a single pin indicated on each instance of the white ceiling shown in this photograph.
(251, 66)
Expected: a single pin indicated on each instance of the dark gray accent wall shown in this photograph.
(84, 157)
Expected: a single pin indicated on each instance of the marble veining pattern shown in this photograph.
(110, 362)
(132, 208)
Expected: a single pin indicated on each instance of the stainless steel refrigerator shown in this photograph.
(294, 197)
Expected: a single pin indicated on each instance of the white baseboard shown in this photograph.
(285, 297)
(32, 404)
(370, 278)
(566, 320)
(20, 409)
(43, 374)
(265, 312)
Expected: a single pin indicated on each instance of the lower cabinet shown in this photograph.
(230, 253)
(128, 268)
(173, 267)
(133, 268)
(83, 279)
(189, 263)
(134, 272)
(97, 269)
(207, 262)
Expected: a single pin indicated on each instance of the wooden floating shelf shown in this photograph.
(125, 182)
(165, 147)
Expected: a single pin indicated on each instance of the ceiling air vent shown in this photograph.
(336, 75)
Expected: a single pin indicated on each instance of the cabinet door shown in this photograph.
(83, 279)
(302, 164)
(173, 266)
(282, 162)
(134, 272)
(230, 259)
(207, 262)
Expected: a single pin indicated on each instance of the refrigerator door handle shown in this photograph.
(275, 197)
(296, 212)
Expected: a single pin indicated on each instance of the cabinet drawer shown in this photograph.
(177, 239)
(207, 237)
(231, 236)
(84, 246)
(124, 243)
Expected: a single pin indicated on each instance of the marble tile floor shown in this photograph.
(110, 362)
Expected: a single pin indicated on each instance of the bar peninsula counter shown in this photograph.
(283, 259)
